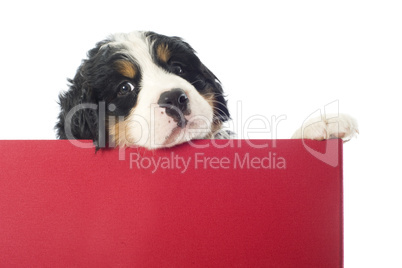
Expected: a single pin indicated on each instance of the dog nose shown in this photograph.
(176, 103)
(175, 97)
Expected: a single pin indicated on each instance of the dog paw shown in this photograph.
(329, 127)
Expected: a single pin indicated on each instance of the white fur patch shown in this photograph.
(332, 126)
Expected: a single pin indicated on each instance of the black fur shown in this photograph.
(96, 85)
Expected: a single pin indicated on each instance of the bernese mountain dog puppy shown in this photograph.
(142, 89)
(150, 90)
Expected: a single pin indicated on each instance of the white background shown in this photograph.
(276, 57)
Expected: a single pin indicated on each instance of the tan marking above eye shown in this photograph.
(163, 52)
(125, 68)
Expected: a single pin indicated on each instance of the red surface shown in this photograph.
(62, 206)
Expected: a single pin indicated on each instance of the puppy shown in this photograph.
(150, 90)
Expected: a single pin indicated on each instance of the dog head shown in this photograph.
(142, 89)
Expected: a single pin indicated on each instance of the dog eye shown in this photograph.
(177, 69)
(125, 88)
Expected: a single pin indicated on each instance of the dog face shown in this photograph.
(142, 89)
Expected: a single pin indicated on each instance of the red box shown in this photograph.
(232, 203)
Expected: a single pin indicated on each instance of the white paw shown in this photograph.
(329, 127)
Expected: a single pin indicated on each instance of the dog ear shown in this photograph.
(78, 118)
(221, 110)
(79, 115)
